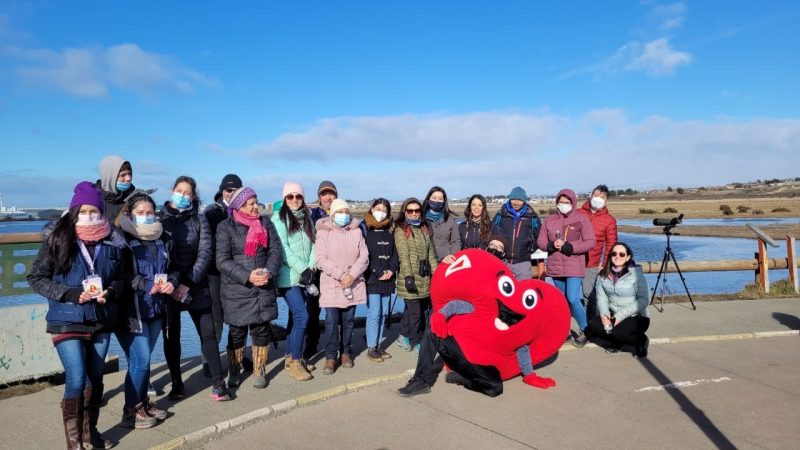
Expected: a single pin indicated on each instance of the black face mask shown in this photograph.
(497, 253)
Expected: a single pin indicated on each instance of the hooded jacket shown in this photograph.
(242, 302)
(575, 228)
(340, 251)
(298, 253)
(521, 233)
(605, 234)
(414, 245)
(113, 199)
(382, 256)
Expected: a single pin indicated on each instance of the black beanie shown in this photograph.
(230, 181)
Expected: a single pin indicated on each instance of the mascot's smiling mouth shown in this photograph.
(507, 317)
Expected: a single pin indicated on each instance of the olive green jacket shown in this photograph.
(413, 245)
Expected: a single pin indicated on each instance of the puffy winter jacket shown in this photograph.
(242, 302)
(298, 253)
(414, 245)
(191, 252)
(521, 233)
(339, 251)
(574, 228)
(605, 234)
(62, 290)
(626, 297)
(470, 233)
(215, 213)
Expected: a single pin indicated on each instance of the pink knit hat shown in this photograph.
(292, 187)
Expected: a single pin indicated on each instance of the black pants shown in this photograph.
(204, 324)
(483, 379)
(216, 304)
(259, 332)
(627, 335)
(413, 321)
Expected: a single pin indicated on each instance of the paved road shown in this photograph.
(723, 394)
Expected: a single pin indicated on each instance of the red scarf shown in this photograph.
(256, 235)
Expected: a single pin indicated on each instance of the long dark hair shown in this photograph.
(384, 202)
(192, 183)
(485, 222)
(292, 224)
(401, 217)
(131, 202)
(606, 270)
(425, 206)
(62, 244)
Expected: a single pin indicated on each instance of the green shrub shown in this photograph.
(670, 210)
(724, 208)
(646, 211)
(758, 212)
(727, 212)
(680, 190)
(743, 209)
(781, 209)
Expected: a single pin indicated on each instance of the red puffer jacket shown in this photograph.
(605, 233)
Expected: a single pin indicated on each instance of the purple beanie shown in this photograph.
(86, 193)
(239, 197)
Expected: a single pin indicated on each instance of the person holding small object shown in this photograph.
(622, 300)
(249, 261)
(82, 252)
(568, 236)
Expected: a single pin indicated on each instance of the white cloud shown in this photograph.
(658, 59)
(93, 71)
(670, 16)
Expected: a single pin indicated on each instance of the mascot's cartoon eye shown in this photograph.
(530, 298)
(506, 285)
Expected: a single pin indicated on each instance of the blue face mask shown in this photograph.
(414, 222)
(180, 201)
(122, 187)
(435, 206)
(144, 220)
(341, 219)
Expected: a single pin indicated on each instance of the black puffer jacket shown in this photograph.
(191, 252)
(215, 213)
(521, 234)
(114, 201)
(242, 302)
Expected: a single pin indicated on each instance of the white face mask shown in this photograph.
(597, 203)
(92, 218)
(378, 215)
(564, 208)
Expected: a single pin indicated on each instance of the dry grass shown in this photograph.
(23, 389)
(705, 209)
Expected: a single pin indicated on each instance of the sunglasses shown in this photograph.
(413, 211)
(620, 254)
(291, 197)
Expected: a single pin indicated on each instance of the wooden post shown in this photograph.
(792, 263)
(762, 278)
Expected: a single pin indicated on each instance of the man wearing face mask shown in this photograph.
(216, 213)
(605, 233)
(116, 175)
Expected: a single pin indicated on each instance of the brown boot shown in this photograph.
(330, 367)
(260, 366)
(298, 371)
(72, 414)
(235, 357)
(347, 361)
(92, 399)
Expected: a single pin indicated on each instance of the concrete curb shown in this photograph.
(244, 420)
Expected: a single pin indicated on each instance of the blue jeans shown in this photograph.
(376, 305)
(333, 317)
(572, 288)
(138, 348)
(296, 301)
(83, 362)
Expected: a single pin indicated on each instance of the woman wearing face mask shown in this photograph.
(249, 260)
(78, 270)
(142, 311)
(568, 236)
(477, 227)
(622, 300)
(444, 230)
(293, 223)
(341, 254)
(381, 273)
(417, 263)
(190, 256)
(605, 234)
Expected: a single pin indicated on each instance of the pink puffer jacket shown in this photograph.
(576, 229)
(339, 251)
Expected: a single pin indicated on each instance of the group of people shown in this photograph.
(118, 263)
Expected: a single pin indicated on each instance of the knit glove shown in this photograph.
(551, 247)
(307, 277)
(411, 287)
(566, 249)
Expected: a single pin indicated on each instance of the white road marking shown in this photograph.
(683, 384)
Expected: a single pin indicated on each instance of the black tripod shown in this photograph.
(668, 256)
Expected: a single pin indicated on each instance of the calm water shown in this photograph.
(645, 247)
(736, 221)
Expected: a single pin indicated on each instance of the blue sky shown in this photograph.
(389, 98)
